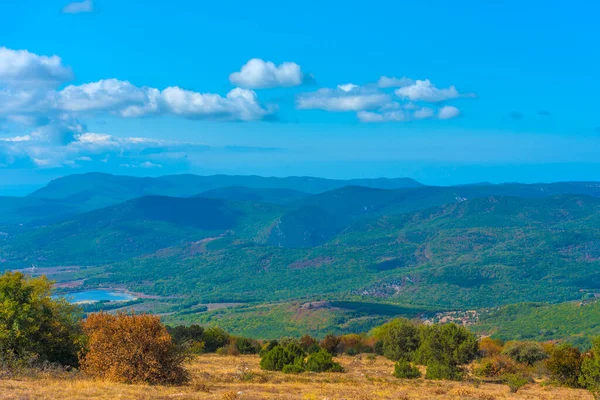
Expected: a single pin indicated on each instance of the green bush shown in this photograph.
(404, 370)
(440, 371)
(279, 356)
(292, 369)
(182, 334)
(525, 352)
(33, 325)
(400, 339)
(515, 381)
(188, 337)
(266, 347)
(246, 346)
(444, 349)
(351, 351)
(322, 361)
(564, 364)
(590, 370)
(214, 338)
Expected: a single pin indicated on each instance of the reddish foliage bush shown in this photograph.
(131, 348)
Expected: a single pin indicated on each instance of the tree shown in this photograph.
(33, 325)
(246, 346)
(515, 381)
(444, 349)
(322, 361)
(330, 344)
(131, 348)
(309, 343)
(564, 364)
(590, 370)
(280, 356)
(400, 339)
(185, 334)
(214, 338)
(525, 352)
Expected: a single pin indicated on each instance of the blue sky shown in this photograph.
(471, 91)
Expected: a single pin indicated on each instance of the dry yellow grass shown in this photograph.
(229, 378)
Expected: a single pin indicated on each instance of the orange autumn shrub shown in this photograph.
(130, 348)
(489, 347)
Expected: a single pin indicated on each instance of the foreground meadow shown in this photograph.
(228, 377)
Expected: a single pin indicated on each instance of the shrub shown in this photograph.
(182, 334)
(489, 347)
(437, 370)
(515, 381)
(308, 342)
(189, 337)
(492, 367)
(247, 346)
(266, 347)
(564, 364)
(404, 370)
(352, 344)
(322, 361)
(330, 344)
(444, 348)
(214, 338)
(292, 369)
(590, 370)
(131, 348)
(399, 339)
(33, 326)
(230, 349)
(351, 351)
(525, 352)
(279, 356)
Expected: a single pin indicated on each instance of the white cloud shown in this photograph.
(346, 97)
(20, 68)
(259, 74)
(401, 115)
(16, 139)
(239, 104)
(104, 95)
(388, 82)
(84, 6)
(29, 95)
(148, 164)
(368, 116)
(347, 87)
(426, 91)
(448, 112)
(128, 100)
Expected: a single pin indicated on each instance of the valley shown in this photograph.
(267, 247)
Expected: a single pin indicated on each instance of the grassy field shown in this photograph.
(228, 378)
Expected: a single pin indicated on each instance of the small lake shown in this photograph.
(92, 296)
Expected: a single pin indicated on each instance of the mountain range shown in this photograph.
(276, 244)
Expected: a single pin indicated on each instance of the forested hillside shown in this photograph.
(276, 248)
